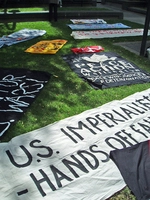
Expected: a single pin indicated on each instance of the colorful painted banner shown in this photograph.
(88, 49)
(46, 46)
(97, 26)
(20, 36)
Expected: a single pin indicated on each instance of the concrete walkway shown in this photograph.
(127, 15)
(131, 16)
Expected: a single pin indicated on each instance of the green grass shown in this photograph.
(65, 94)
(45, 8)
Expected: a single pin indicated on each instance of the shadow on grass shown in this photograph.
(62, 92)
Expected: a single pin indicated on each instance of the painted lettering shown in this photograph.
(19, 165)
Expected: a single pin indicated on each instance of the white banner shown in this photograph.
(107, 33)
(69, 160)
(88, 21)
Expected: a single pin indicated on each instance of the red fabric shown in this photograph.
(90, 49)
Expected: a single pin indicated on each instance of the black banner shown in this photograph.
(18, 89)
(106, 69)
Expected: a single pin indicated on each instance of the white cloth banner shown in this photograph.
(107, 33)
(69, 160)
(88, 21)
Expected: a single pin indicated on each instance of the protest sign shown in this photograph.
(69, 159)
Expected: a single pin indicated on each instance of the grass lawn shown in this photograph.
(45, 8)
(65, 94)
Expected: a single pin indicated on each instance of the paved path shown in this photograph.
(130, 16)
(134, 47)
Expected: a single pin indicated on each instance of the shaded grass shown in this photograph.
(65, 94)
(45, 8)
(124, 194)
